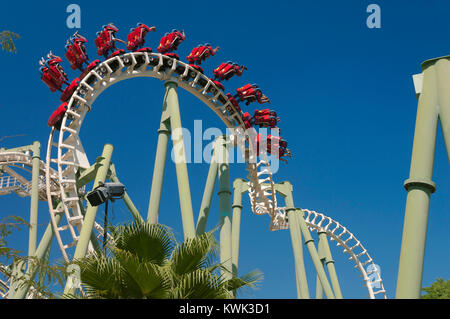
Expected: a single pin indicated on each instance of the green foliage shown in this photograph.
(47, 276)
(440, 289)
(144, 261)
(7, 41)
(7, 226)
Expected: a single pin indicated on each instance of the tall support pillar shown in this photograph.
(91, 212)
(443, 82)
(207, 193)
(179, 153)
(285, 189)
(419, 187)
(325, 255)
(309, 242)
(36, 161)
(160, 164)
(240, 186)
(224, 205)
(320, 248)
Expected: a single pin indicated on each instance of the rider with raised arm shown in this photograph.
(106, 40)
(136, 38)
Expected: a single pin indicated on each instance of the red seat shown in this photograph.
(69, 90)
(173, 55)
(88, 69)
(219, 85)
(116, 53)
(149, 50)
(197, 67)
(57, 116)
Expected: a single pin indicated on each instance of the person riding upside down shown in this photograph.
(279, 146)
(251, 93)
(52, 73)
(136, 38)
(274, 145)
(266, 118)
(201, 53)
(170, 41)
(106, 40)
(76, 51)
(247, 119)
(227, 69)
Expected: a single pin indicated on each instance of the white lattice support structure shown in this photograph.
(12, 181)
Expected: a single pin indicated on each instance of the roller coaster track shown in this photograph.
(12, 181)
(65, 153)
(4, 283)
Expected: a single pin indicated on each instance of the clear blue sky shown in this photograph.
(344, 93)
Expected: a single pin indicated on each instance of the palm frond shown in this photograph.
(247, 281)
(148, 277)
(105, 274)
(150, 242)
(7, 41)
(194, 253)
(199, 284)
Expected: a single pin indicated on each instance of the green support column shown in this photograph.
(320, 249)
(91, 212)
(285, 189)
(224, 206)
(160, 163)
(14, 283)
(184, 191)
(239, 187)
(419, 187)
(207, 193)
(36, 161)
(326, 257)
(319, 289)
(309, 242)
(443, 82)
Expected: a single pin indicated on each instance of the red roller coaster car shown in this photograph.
(170, 41)
(251, 93)
(88, 69)
(52, 73)
(247, 119)
(201, 53)
(57, 116)
(234, 102)
(218, 84)
(67, 93)
(76, 51)
(227, 69)
(266, 118)
(106, 40)
(273, 144)
(136, 38)
(276, 141)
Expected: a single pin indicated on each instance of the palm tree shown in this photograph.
(144, 261)
(7, 41)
